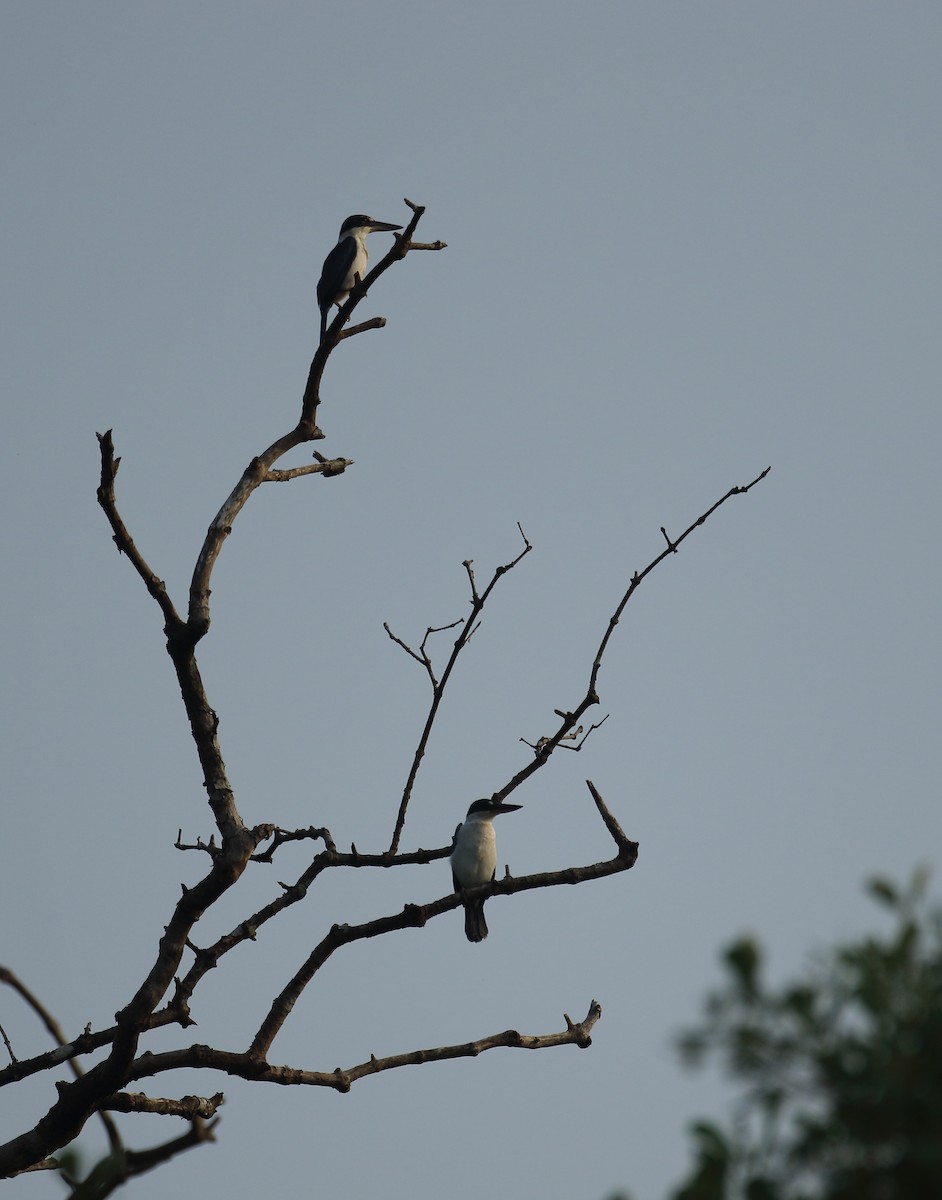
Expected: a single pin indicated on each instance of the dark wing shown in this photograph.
(334, 272)
(454, 842)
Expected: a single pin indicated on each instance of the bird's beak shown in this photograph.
(507, 808)
(382, 227)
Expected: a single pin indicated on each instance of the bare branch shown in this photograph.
(8, 1044)
(353, 330)
(328, 467)
(420, 656)
(127, 1164)
(220, 527)
(103, 1087)
(546, 745)
(140, 1161)
(281, 836)
(249, 1066)
(209, 847)
(188, 1107)
(47, 1164)
(571, 736)
(121, 536)
(478, 600)
(626, 846)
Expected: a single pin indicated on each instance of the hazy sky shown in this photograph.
(685, 241)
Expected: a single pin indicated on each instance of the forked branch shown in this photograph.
(468, 626)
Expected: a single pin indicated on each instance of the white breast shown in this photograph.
(474, 858)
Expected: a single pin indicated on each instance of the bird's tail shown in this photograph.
(324, 312)
(475, 927)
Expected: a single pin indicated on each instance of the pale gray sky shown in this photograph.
(685, 241)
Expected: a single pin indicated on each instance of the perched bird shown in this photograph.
(474, 860)
(346, 263)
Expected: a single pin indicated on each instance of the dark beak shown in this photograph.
(383, 227)
(502, 808)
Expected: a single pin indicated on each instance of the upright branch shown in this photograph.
(468, 625)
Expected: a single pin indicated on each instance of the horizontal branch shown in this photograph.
(248, 1066)
(328, 467)
(86, 1043)
(353, 330)
(188, 1107)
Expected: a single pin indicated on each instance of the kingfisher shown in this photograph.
(346, 263)
(474, 860)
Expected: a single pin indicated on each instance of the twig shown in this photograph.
(353, 330)
(7, 1043)
(571, 736)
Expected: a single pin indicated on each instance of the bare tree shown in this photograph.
(164, 995)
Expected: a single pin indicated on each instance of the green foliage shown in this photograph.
(841, 1071)
(104, 1178)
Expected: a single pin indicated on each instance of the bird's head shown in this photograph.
(361, 223)
(488, 809)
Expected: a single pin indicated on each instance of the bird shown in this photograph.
(474, 860)
(346, 263)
